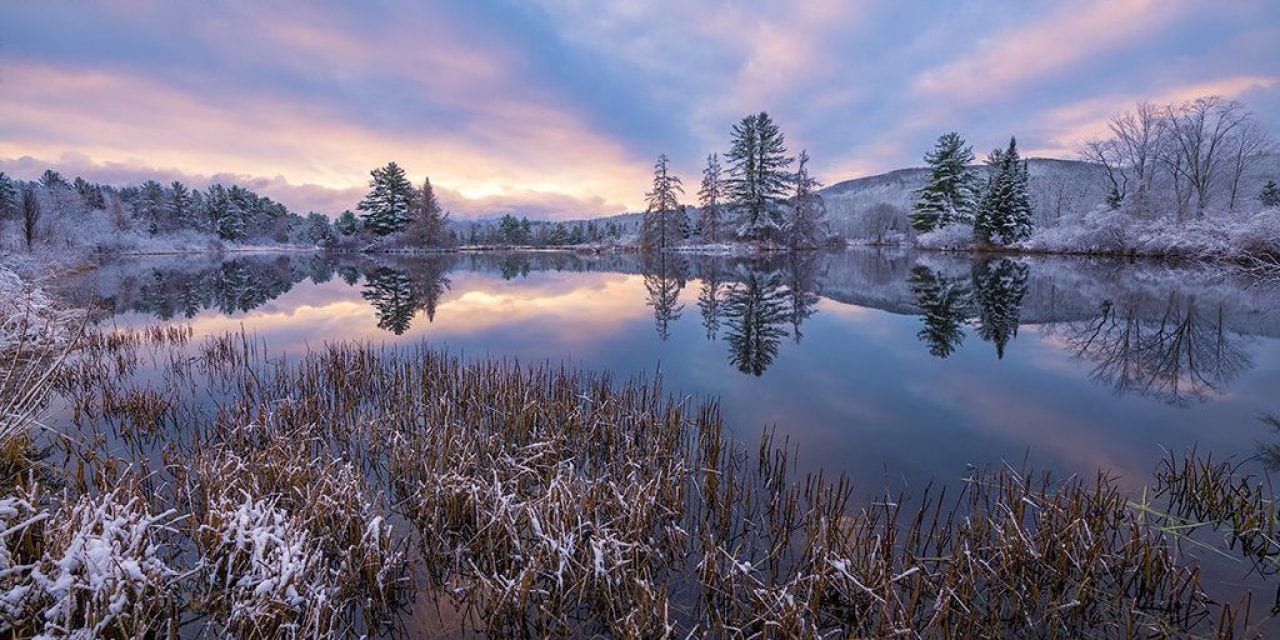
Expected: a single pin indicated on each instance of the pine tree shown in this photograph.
(1270, 195)
(509, 229)
(90, 194)
(347, 223)
(1004, 216)
(8, 196)
(386, 207)
(180, 204)
(711, 198)
(51, 179)
(661, 228)
(224, 213)
(804, 226)
(428, 223)
(391, 294)
(949, 196)
(758, 177)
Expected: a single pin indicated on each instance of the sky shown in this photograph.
(558, 108)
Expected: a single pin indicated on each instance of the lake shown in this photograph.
(892, 367)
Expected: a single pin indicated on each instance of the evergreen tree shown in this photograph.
(90, 194)
(758, 177)
(51, 179)
(8, 196)
(428, 223)
(347, 223)
(180, 204)
(804, 226)
(150, 207)
(386, 207)
(509, 229)
(1270, 195)
(1004, 215)
(559, 235)
(946, 307)
(999, 286)
(661, 228)
(226, 218)
(711, 199)
(949, 196)
(317, 229)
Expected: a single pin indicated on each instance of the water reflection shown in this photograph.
(1180, 353)
(1176, 335)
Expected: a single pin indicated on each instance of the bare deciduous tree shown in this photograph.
(1247, 146)
(1199, 134)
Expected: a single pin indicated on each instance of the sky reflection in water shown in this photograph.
(893, 368)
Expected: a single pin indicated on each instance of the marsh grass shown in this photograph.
(309, 498)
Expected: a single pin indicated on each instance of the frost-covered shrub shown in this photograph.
(100, 571)
(951, 237)
(29, 317)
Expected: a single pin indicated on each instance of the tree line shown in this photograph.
(53, 209)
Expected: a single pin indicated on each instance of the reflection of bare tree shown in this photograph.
(755, 311)
(1269, 452)
(430, 281)
(801, 269)
(664, 277)
(1184, 354)
(710, 298)
(946, 303)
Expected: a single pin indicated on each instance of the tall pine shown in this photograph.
(804, 225)
(711, 200)
(661, 227)
(1004, 216)
(428, 224)
(386, 207)
(950, 195)
(758, 178)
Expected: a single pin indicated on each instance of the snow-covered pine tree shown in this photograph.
(224, 214)
(661, 226)
(804, 225)
(8, 196)
(90, 194)
(386, 207)
(758, 176)
(951, 193)
(180, 204)
(1004, 215)
(428, 223)
(150, 206)
(711, 199)
(1270, 196)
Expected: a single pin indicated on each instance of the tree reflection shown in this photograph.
(947, 304)
(664, 278)
(397, 295)
(801, 280)
(1180, 353)
(999, 286)
(710, 298)
(755, 314)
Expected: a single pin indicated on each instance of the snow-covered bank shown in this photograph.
(29, 316)
(1105, 232)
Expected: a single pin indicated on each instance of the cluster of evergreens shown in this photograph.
(998, 209)
(756, 198)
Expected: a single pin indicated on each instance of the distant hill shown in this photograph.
(868, 207)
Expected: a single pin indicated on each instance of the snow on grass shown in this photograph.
(100, 571)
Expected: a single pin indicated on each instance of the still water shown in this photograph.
(893, 368)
